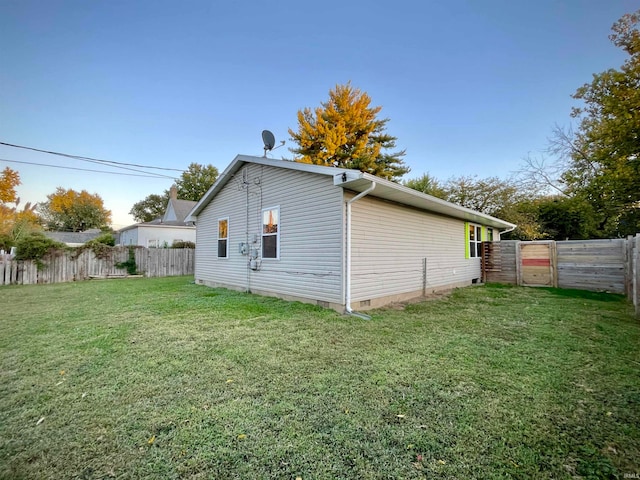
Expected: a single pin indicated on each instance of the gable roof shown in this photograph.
(357, 181)
(181, 208)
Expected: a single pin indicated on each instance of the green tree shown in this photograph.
(604, 152)
(427, 184)
(71, 211)
(566, 218)
(195, 181)
(345, 132)
(490, 195)
(192, 184)
(523, 214)
(151, 207)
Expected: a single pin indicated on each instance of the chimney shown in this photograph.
(173, 193)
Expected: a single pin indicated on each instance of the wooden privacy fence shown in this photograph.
(69, 266)
(611, 265)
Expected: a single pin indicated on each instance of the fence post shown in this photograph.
(628, 267)
(636, 273)
(553, 254)
(518, 261)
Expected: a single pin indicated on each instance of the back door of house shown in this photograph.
(536, 264)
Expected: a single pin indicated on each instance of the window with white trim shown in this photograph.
(475, 240)
(223, 238)
(489, 234)
(271, 232)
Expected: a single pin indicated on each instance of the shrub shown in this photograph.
(105, 239)
(101, 246)
(6, 242)
(183, 244)
(36, 246)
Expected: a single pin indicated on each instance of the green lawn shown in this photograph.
(162, 378)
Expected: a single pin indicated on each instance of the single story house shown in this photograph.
(73, 239)
(162, 232)
(335, 237)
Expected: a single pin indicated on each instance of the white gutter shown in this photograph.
(347, 293)
(511, 229)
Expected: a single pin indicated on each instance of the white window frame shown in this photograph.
(153, 243)
(276, 234)
(477, 241)
(490, 234)
(218, 238)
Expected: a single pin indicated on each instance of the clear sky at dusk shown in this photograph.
(470, 87)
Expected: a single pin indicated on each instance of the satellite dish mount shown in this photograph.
(269, 141)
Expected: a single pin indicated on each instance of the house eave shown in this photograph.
(358, 182)
(397, 193)
(240, 160)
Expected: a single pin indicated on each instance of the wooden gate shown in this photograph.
(537, 260)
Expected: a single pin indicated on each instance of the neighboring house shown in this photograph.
(162, 232)
(334, 237)
(74, 239)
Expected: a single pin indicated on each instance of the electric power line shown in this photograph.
(151, 175)
(90, 159)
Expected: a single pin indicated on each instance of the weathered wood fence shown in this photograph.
(610, 265)
(69, 266)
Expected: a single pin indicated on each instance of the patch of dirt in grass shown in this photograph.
(429, 297)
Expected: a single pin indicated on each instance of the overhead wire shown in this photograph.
(148, 175)
(112, 163)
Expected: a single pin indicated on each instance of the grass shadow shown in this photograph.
(585, 294)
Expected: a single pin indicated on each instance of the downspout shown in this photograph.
(509, 230)
(347, 293)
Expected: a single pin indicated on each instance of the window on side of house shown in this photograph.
(489, 235)
(271, 232)
(153, 243)
(474, 237)
(223, 238)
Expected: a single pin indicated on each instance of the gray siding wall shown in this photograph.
(311, 231)
(129, 237)
(389, 243)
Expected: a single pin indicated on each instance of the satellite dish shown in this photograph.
(269, 141)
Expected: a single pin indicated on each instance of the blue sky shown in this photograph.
(470, 87)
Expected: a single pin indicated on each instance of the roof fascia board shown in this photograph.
(424, 201)
(345, 178)
(240, 160)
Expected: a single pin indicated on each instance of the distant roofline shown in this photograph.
(154, 225)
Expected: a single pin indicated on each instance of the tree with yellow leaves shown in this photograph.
(71, 211)
(345, 132)
(9, 180)
(14, 223)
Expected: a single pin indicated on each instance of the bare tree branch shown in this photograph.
(537, 173)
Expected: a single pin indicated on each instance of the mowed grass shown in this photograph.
(163, 378)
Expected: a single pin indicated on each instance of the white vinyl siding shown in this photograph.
(390, 245)
(310, 239)
(160, 235)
